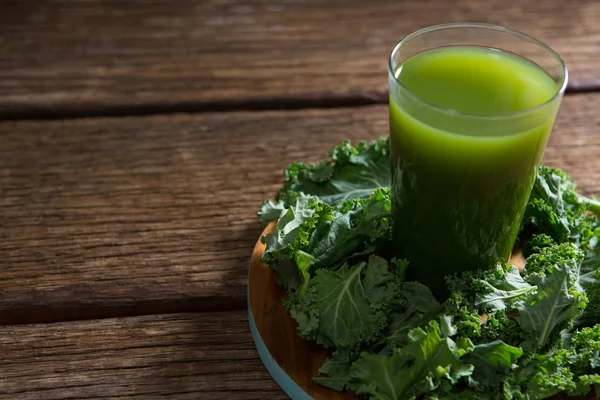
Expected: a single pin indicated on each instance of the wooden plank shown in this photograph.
(117, 57)
(183, 356)
(575, 142)
(113, 217)
(121, 216)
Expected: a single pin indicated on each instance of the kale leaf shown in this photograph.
(311, 235)
(349, 173)
(347, 307)
(430, 357)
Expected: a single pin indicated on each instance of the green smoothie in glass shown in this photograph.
(468, 126)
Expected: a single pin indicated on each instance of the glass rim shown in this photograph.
(559, 92)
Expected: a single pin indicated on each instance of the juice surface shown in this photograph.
(468, 128)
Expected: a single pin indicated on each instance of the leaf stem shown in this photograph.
(592, 204)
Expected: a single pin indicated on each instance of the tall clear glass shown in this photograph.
(471, 110)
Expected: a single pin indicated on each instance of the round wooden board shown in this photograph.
(292, 361)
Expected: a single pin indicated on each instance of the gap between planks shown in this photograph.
(50, 314)
(297, 102)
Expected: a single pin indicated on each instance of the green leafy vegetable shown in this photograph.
(590, 282)
(350, 173)
(347, 230)
(420, 308)
(290, 233)
(502, 334)
(492, 289)
(335, 373)
(270, 211)
(556, 209)
(572, 368)
(312, 234)
(429, 358)
(556, 303)
(492, 361)
(347, 307)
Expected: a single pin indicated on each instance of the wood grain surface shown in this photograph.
(180, 356)
(201, 356)
(68, 57)
(122, 216)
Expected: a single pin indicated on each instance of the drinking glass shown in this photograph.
(471, 110)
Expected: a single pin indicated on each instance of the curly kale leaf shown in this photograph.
(291, 232)
(347, 307)
(590, 281)
(559, 298)
(311, 235)
(496, 288)
(349, 173)
(430, 359)
(419, 307)
(557, 210)
(502, 289)
(573, 368)
(335, 372)
(270, 210)
(353, 227)
(584, 351)
(500, 326)
(467, 319)
(491, 362)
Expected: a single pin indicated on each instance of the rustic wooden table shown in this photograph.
(137, 140)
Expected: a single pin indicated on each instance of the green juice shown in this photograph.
(468, 128)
